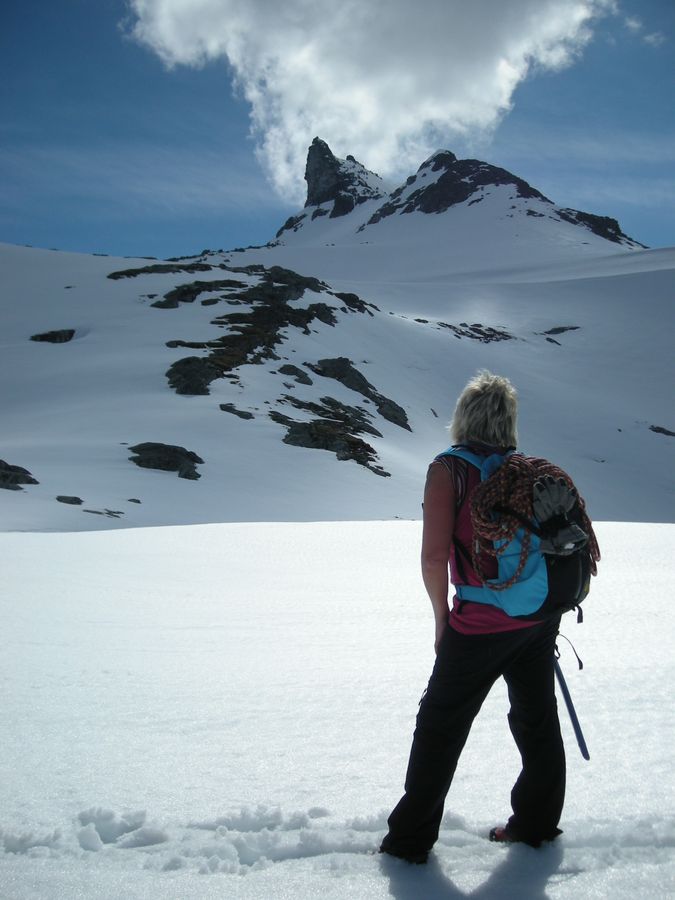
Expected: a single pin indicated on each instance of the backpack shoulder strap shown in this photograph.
(463, 453)
(487, 465)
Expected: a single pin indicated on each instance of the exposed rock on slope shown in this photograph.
(603, 226)
(342, 370)
(161, 269)
(168, 458)
(254, 335)
(12, 477)
(659, 429)
(336, 430)
(61, 336)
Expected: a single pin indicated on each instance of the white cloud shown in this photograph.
(386, 80)
(633, 24)
(655, 39)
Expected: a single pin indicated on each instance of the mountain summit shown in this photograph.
(338, 188)
(344, 182)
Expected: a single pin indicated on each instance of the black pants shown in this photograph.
(466, 668)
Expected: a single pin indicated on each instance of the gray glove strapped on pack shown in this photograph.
(553, 500)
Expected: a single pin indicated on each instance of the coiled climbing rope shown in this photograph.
(511, 488)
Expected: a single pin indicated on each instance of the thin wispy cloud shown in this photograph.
(655, 39)
(620, 147)
(122, 176)
(593, 194)
(388, 81)
(637, 27)
(633, 24)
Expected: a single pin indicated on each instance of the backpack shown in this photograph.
(546, 558)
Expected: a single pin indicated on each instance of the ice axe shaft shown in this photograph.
(571, 710)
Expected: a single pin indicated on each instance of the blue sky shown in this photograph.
(104, 148)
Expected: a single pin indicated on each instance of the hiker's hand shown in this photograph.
(552, 497)
(440, 631)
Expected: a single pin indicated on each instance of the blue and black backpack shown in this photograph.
(545, 563)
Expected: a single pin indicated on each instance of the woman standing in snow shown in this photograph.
(475, 644)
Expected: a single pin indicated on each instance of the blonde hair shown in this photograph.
(486, 411)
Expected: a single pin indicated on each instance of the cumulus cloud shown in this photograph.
(388, 81)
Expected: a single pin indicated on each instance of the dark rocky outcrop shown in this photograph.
(12, 477)
(659, 429)
(61, 336)
(296, 373)
(460, 180)
(354, 419)
(561, 329)
(345, 183)
(253, 337)
(71, 501)
(603, 226)
(342, 369)
(188, 293)
(292, 224)
(486, 334)
(329, 434)
(254, 334)
(168, 458)
(294, 285)
(161, 269)
(231, 408)
(279, 275)
(356, 304)
(192, 375)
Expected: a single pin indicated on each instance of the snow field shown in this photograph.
(71, 411)
(226, 710)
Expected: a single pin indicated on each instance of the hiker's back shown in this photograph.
(527, 516)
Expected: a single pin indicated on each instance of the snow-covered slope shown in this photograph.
(178, 724)
(336, 340)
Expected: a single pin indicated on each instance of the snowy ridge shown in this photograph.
(337, 188)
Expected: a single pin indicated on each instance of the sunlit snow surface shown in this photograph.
(589, 395)
(226, 711)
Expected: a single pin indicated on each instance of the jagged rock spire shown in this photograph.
(346, 182)
(322, 174)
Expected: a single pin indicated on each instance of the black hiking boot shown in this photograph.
(505, 834)
(415, 857)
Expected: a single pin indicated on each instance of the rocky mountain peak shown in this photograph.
(345, 182)
(443, 181)
(337, 187)
(441, 159)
